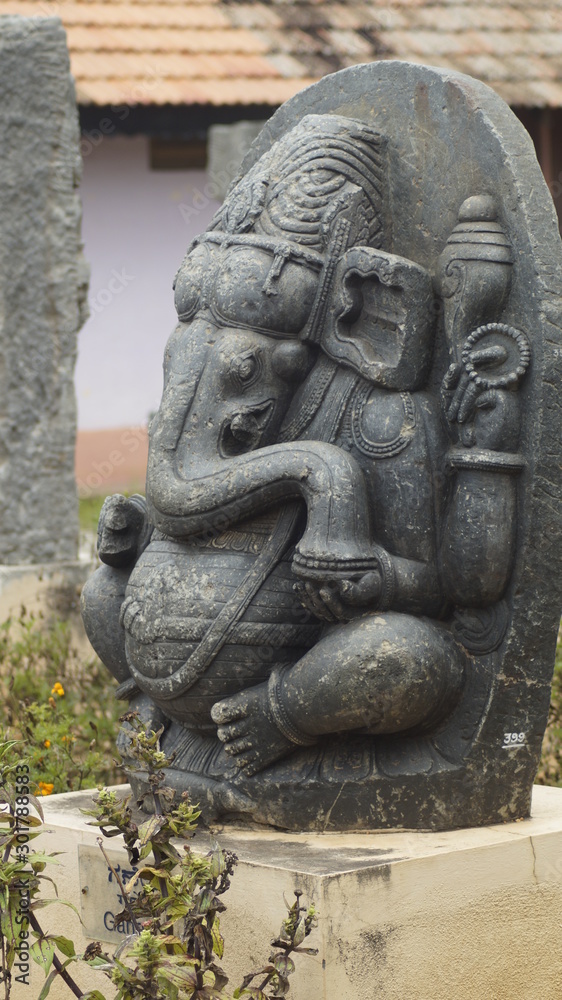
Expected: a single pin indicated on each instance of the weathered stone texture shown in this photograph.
(42, 292)
(369, 335)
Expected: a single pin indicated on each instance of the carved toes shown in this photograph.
(229, 710)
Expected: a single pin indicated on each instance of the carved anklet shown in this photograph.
(279, 713)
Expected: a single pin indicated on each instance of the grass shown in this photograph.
(89, 512)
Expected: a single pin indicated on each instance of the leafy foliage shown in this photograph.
(550, 769)
(173, 900)
(59, 705)
(22, 874)
(178, 898)
(89, 509)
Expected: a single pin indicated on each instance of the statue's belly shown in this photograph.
(176, 591)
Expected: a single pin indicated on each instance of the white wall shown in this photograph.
(137, 224)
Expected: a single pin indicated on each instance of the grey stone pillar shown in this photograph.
(43, 282)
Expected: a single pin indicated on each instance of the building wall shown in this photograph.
(137, 223)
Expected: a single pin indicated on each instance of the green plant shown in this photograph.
(550, 769)
(62, 756)
(89, 512)
(176, 912)
(60, 705)
(173, 900)
(21, 878)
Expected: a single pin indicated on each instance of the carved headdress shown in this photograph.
(318, 196)
(326, 168)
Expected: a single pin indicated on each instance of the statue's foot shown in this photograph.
(248, 731)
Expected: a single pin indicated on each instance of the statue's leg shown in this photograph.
(384, 673)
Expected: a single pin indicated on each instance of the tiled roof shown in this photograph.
(242, 52)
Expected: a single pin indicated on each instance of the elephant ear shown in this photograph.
(380, 319)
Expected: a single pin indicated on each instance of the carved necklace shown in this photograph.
(381, 449)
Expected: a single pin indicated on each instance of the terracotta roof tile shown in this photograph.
(545, 92)
(159, 67)
(389, 18)
(254, 15)
(291, 41)
(547, 20)
(128, 14)
(433, 44)
(442, 62)
(245, 52)
(234, 90)
(287, 65)
(546, 43)
(490, 66)
(450, 19)
(503, 17)
(354, 15)
(164, 40)
(531, 67)
(350, 43)
(465, 16)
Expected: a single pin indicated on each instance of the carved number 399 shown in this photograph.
(513, 739)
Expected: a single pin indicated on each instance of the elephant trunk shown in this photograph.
(211, 495)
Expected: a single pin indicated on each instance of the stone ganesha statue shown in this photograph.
(315, 597)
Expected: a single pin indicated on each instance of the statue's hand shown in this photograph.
(341, 600)
(122, 529)
(484, 417)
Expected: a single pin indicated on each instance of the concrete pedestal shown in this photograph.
(471, 914)
(48, 589)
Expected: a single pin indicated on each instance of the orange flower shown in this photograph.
(45, 788)
(47, 744)
(57, 688)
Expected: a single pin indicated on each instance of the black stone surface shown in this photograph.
(341, 595)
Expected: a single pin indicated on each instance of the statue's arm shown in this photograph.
(124, 530)
(416, 587)
(397, 584)
(477, 523)
(123, 533)
(478, 537)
